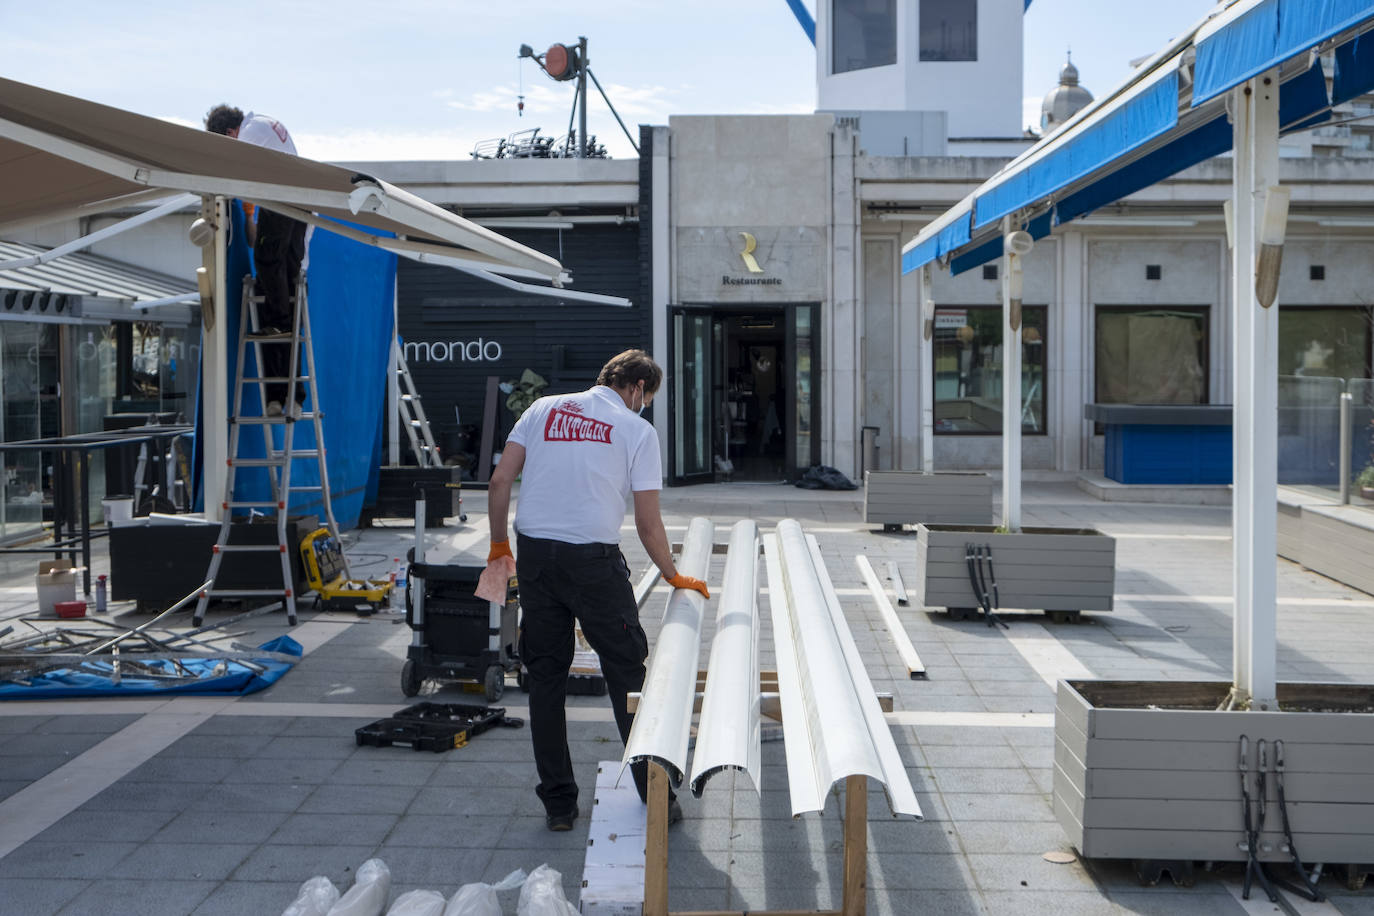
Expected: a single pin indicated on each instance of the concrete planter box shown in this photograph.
(896, 498)
(1149, 770)
(1059, 570)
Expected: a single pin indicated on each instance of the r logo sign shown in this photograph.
(748, 253)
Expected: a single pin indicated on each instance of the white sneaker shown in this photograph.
(274, 408)
(293, 411)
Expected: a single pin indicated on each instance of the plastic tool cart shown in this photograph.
(456, 635)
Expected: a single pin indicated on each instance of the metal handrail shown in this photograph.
(729, 731)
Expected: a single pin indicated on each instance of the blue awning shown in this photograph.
(947, 233)
(1146, 112)
(1246, 39)
(992, 249)
(1354, 73)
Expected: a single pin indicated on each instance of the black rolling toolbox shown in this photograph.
(434, 726)
(456, 635)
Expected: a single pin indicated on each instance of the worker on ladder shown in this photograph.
(279, 248)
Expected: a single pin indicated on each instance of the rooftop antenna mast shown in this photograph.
(565, 62)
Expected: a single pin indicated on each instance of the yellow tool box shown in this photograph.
(322, 558)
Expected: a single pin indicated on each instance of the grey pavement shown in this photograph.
(224, 806)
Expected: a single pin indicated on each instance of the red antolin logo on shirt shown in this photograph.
(566, 424)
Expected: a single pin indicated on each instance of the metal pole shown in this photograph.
(926, 366)
(214, 367)
(1346, 435)
(1011, 399)
(393, 383)
(582, 97)
(1255, 392)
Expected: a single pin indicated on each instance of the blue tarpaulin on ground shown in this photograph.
(351, 289)
(237, 678)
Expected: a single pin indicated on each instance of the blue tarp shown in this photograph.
(1354, 74)
(992, 249)
(1266, 36)
(351, 289)
(238, 679)
(1154, 111)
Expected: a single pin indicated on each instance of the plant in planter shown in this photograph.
(1365, 481)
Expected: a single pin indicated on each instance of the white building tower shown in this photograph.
(959, 57)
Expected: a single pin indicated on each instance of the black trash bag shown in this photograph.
(824, 477)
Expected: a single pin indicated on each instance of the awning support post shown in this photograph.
(927, 386)
(214, 365)
(1015, 245)
(1255, 114)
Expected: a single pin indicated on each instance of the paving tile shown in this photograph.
(1008, 871)
(221, 827)
(249, 797)
(357, 829)
(244, 725)
(306, 771)
(807, 867)
(235, 898)
(917, 870)
(458, 831)
(66, 859)
(984, 781)
(974, 807)
(897, 902)
(296, 863)
(18, 725)
(38, 744)
(1022, 837)
(147, 796)
(102, 725)
(469, 800)
(184, 861)
(38, 896)
(1047, 903)
(330, 798)
(374, 766)
(101, 826)
(180, 769)
(567, 863)
(173, 898)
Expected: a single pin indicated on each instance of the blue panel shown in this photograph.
(1157, 454)
(942, 243)
(807, 23)
(988, 251)
(1211, 139)
(1268, 35)
(1302, 100)
(1354, 74)
(1097, 144)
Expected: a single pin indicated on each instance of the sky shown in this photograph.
(428, 79)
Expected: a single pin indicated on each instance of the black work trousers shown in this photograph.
(277, 256)
(588, 583)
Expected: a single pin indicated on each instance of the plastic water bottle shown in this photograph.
(400, 575)
(100, 594)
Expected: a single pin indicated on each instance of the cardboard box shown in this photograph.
(56, 581)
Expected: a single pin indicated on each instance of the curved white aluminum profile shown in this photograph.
(832, 724)
(728, 732)
(663, 721)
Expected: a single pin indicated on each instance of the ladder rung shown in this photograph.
(312, 488)
(410, 397)
(255, 462)
(252, 504)
(249, 548)
(258, 421)
(250, 592)
(279, 379)
(299, 453)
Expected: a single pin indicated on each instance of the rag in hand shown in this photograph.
(492, 584)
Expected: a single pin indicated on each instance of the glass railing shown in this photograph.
(1310, 433)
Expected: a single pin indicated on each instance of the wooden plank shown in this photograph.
(1070, 705)
(1193, 814)
(656, 844)
(1072, 800)
(1296, 729)
(1163, 754)
(1205, 785)
(1072, 765)
(855, 845)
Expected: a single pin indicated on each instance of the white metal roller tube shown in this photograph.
(663, 721)
(829, 731)
(729, 728)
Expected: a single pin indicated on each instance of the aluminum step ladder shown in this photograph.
(280, 449)
(413, 418)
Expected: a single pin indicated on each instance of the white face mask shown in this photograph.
(640, 411)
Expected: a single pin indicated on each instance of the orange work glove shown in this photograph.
(499, 549)
(681, 581)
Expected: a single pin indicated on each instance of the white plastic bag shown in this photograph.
(418, 903)
(479, 898)
(542, 894)
(368, 895)
(316, 896)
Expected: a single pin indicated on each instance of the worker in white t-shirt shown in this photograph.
(580, 457)
(278, 244)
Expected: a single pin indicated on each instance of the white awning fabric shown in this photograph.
(61, 155)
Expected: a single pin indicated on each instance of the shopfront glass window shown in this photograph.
(1325, 342)
(949, 30)
(1151, 355)
(28, 356)
(968, 370)
(802, 360)
(691, 394)
(863, 34)
(179, 368)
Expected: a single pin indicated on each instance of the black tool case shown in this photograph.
(434, 726)
(458, 636)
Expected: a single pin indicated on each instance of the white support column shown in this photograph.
(662, 288)
(926, 384)
(1070, 330)
(1255, 107)
(214, 364)
(1011, 393)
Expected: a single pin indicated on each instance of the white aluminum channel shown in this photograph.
(832, 724)
(914, 667)
(663, 720)
(728, 732)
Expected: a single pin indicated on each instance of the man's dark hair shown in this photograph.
(628, 369)
(223, 118)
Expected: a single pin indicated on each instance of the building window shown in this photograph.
(1151, 355)
(1326, 342)
(968, 370)
(949, 30)
(863, 34)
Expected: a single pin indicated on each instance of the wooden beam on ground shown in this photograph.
(855, 845)
(656, 844)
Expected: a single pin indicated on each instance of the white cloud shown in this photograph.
(1030, 112)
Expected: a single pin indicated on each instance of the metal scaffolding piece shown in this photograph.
(728, 735)
(663, 721)
(914, 666)
(833, 726)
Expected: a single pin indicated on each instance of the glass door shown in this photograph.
(802, 403)
(691, 402)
